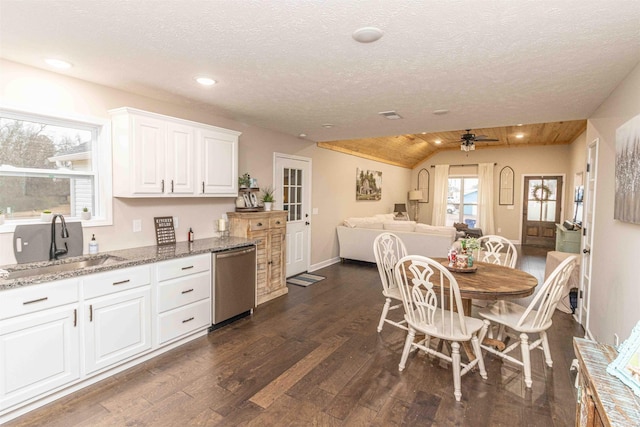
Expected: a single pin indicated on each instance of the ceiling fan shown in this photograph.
(468, 140)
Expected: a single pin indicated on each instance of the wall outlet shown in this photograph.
(499, 230)
(176, 222)
(137, 225)
(616, 340)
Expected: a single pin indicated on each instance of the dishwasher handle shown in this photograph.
(235, 253)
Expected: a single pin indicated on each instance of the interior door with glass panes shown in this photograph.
(542, 201)
(293, 177)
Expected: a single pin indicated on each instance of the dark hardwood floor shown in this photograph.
(314, 358)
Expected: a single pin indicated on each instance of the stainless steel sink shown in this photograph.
(64, 266)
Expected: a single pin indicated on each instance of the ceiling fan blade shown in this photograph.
(486, 139)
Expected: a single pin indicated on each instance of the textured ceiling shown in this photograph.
(292, 66)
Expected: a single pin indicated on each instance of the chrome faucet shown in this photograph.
(54, 252)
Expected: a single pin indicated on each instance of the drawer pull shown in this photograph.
(35, 300)
(75, 317)
(187, 291)
(186, 268)
(188, 320)
(122, 282)
(259, 224)
(278, 222)
(91, 313)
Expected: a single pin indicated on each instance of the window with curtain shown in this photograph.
(462, 200)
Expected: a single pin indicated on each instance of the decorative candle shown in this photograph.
(222, 225)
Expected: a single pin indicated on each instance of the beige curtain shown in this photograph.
(440, 192)
(485, 197)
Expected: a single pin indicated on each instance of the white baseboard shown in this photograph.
(324, 264)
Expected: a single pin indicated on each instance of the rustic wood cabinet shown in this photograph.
(269, 230)
(603, 400)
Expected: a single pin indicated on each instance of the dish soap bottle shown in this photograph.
(93, 245)
(190, 235)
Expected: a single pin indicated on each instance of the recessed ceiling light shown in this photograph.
(327, 125)
(520, 135)
(519, 124)
(205, 81)
(437, 141)
(302, 135)
(440, 112)
(58, 63)
(367, 34)
(423, 133)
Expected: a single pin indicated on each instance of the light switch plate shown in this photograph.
(137, 225)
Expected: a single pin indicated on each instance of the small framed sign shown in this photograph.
(165, 233)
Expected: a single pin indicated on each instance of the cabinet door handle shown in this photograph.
(172, 186)
(91, 313)
(187, 291)
(122, 282)
(75, 317)
(278, 222)
(162, 182)
(186, 268)
(35, 301)
(202, 187)
(188, 320)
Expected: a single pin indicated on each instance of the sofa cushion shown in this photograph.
(400, 225)
(434, 229)
(371, 225)
(385, 217)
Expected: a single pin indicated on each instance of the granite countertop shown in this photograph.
(120, 259)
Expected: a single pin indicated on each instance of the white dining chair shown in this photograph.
(534, 319)
(433, 307)
(497, 250)
(388, 249)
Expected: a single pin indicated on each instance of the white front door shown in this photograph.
(587, 241)
(292, 176)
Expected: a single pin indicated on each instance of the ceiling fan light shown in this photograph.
(367, 34)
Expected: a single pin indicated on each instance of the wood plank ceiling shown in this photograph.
(412, 149)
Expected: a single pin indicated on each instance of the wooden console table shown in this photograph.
(603, 400)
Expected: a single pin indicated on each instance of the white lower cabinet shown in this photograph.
(39, 343)
(184, 296)
(117, 327)
(104, 319)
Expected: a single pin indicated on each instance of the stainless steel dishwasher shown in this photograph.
(234, 284)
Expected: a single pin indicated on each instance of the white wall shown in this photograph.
(615, 292)
(333, 173)
(539, 160)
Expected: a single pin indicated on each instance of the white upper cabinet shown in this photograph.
(161, 156)
(218, 177)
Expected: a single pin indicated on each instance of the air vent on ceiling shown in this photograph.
(391, 115)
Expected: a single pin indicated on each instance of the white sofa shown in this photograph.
(356, 237)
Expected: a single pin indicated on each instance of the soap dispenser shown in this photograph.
(93, 245)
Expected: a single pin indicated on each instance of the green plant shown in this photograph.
(267, 195)
(46, 211)
(244, 180)
(85, 209)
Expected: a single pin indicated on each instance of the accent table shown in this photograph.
(603, 400)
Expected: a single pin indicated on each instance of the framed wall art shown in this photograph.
(627, 198)
(626, 367)
(506, 186)
(368, 185)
